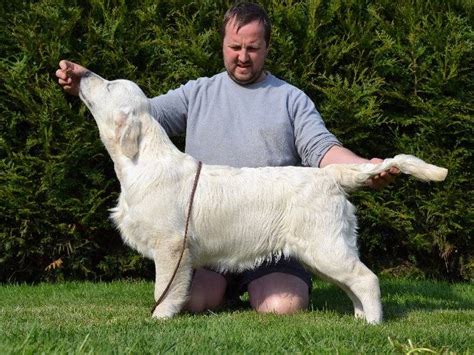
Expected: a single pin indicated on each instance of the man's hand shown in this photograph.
(69, 76)
(340, 155)
(383, 179)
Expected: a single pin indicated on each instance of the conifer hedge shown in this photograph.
(387, 76)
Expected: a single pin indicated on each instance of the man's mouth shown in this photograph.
(243, 70)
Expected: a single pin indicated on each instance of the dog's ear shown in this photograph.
(127, 132)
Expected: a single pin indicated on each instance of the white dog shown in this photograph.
(240, 217)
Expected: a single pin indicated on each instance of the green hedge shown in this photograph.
(387, 76)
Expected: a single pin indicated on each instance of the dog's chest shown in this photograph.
(132, 230)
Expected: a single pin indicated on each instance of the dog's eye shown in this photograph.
(108, 87)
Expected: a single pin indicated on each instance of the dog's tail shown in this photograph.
(351, 176)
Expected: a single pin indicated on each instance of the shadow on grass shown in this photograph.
(399, 297)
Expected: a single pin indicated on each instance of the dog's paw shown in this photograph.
(164, 312)
(359, 314)
(374, 320)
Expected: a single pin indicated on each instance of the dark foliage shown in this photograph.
(388, 77)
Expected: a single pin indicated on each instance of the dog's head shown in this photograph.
(117, 107)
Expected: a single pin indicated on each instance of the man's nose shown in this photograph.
(243, 55)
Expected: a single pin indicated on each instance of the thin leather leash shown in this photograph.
(188, 217)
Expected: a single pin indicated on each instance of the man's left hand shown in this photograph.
(384, 178)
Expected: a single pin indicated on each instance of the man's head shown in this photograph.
(245, 31)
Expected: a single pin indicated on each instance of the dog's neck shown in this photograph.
(155, 145)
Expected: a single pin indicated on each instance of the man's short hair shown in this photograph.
(245, 12)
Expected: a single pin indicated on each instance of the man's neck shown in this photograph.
(260, 78)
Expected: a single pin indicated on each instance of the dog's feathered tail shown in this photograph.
(351, 176)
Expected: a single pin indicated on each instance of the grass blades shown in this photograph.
(77, 317)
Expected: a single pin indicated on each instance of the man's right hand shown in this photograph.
(69, 76)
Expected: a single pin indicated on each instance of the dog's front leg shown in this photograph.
(166, 258)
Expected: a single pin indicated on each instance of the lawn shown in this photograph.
(79, 317)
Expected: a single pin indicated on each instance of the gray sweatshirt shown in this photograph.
(269, 123)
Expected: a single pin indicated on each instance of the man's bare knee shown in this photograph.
(207, 291)
(278, 293)
(281, 304)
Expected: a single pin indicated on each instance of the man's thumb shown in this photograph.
(66, 65)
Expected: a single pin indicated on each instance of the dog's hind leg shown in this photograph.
(364, 284)
(166, 258)
(358, 308)
(349, 273)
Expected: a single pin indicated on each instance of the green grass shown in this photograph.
(114, 318)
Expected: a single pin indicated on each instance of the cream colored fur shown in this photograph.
(240, 217)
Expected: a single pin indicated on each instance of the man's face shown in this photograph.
(244, 52)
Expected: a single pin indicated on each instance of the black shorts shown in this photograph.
(237, 283)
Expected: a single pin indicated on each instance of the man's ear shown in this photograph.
(127, 132)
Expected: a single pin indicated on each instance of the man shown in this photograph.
(246, 117)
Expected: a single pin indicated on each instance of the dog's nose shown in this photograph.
(87, 74)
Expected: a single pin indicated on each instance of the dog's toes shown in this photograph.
(162, 314)
(167, 309)
(374, 321)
